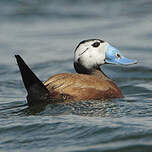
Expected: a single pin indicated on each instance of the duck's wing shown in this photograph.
(82, 86)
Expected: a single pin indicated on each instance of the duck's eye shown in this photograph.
(118, 55)
(96, 44)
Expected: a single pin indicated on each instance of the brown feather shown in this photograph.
(82, 87)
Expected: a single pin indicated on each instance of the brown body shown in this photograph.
(78, 87)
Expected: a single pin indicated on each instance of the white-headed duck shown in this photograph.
(90, 83)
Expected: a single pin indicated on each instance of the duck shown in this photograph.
(88, 83)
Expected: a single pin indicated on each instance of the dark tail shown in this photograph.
(37, 92)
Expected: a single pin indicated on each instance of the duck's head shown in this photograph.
(91, 54)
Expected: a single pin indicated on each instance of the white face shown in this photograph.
(91, 53)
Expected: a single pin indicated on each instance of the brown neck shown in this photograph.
(97, 72)
(100, 74)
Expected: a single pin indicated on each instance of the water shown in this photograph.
(46, 33)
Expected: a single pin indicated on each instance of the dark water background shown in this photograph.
(45, 33)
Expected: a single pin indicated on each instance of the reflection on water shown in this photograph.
(46, 33)
(84, 108)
